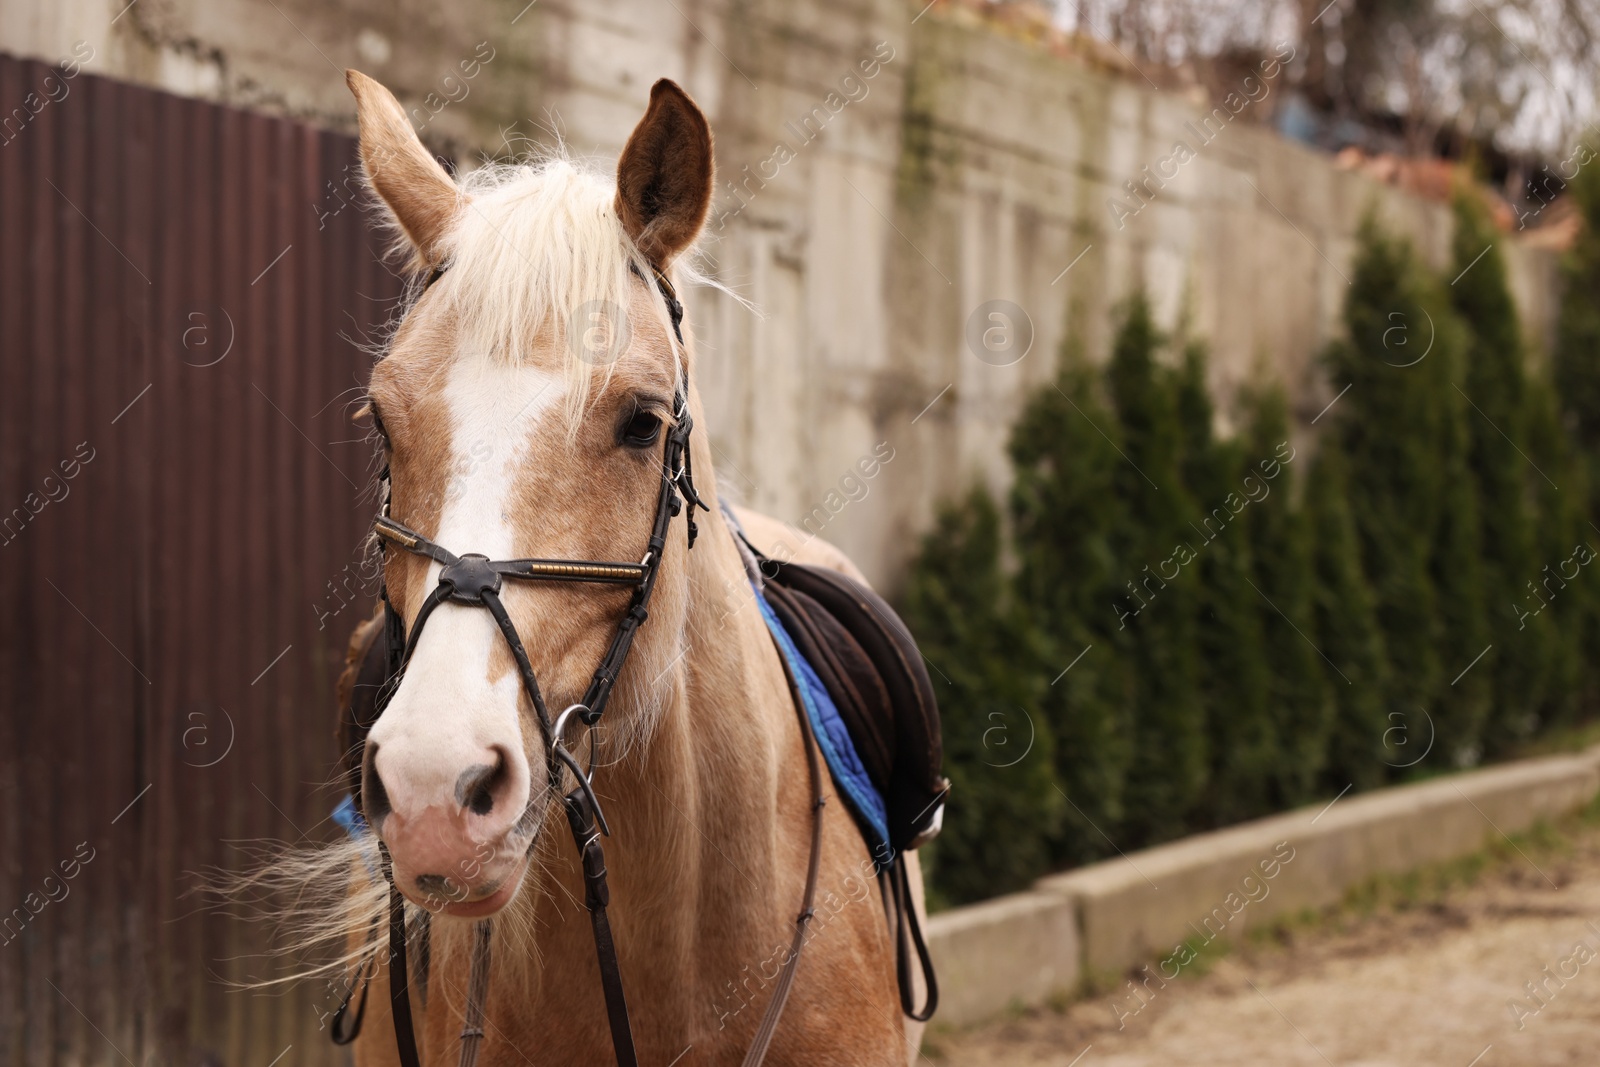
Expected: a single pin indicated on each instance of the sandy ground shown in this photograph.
(1424, 983)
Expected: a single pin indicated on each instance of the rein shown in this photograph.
(474, 580)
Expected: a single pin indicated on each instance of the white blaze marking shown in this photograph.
(446, 712)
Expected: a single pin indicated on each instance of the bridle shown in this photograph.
(474, 580)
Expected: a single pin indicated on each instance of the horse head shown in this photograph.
(525, 404)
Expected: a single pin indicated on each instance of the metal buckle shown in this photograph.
(558, 748)
(558, 731)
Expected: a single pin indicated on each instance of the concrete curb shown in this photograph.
(1020, 947)
(1108, 918)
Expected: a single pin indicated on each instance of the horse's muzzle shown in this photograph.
(443, 870)
(452, 821)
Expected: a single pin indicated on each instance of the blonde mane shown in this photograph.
(536, 252)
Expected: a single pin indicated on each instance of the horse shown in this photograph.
(522, 403)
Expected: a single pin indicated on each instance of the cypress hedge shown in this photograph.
(1189, 630)
(1171, 756)
(1284, 595)
(1235, 685)
(1066, 517)
(997, 756)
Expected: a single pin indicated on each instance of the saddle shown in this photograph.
(868, 662)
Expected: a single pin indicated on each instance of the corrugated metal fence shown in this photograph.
(184, 291)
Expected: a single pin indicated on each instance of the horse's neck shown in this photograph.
(708, 844)
(710, 781)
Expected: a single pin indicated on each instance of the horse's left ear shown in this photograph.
(664, 176)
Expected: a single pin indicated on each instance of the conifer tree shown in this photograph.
(1285, 595)
(1066, 521)
(1495, 390)
(1346, 630)
(1170, 754)
(1577, 371)
(1556, 603)
(1003, 809)
(1389, 426)
(1466, 649)
(1240, 732)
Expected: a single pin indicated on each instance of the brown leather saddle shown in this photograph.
(870, 665)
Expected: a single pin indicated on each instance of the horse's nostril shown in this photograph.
(435, 885)
(478, 785)
(374, 798)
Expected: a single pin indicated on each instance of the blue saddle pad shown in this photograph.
(838, 749)
(349, 818)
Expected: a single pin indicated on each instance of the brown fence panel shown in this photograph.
(185, 290)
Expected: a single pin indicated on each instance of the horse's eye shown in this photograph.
(641, 430)
(377, 424)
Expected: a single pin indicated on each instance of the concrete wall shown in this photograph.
(969, 168)
(1104, 920)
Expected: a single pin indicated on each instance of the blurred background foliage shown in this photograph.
(1163, 630)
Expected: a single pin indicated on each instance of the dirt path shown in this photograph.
(1423, 983)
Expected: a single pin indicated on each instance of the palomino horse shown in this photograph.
(507, 436)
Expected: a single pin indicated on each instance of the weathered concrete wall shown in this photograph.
(1140, 909)
(966, 168)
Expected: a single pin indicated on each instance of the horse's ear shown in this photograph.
(664, 175)
(416, 189)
